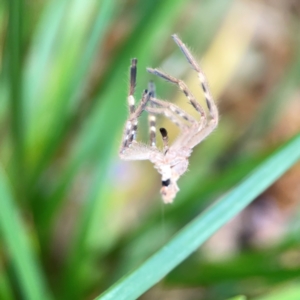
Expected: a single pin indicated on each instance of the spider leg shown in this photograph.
(213, 111)
(174, 109)
(130, 149)
(187, 132)
(151, 117)
(165, 138)
(130, 98)
(132, 122)
(196, 137)
(131, 125)
(183, 88)
(201, 135)
(139, 151)
(168, 114)
(197, 126)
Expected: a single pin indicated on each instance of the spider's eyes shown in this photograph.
(166, 182)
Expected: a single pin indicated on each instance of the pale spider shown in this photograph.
(172, 161)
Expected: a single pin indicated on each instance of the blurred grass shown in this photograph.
(101, 118)
(238, 298)
(289, 292)
(63, 86)
(27, 268)
(200, 229)
(15, 45)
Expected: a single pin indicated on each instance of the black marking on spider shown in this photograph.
(166, 182)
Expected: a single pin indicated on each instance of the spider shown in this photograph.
(171, 161)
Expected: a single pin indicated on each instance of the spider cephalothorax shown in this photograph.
(171, 161)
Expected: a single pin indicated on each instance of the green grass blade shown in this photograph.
(90, 140)
(75, 84)
(26, 267)
(200, 229)
(107, 10)
(6, 291)
(238, 298)
(15, 89)
(289, 292)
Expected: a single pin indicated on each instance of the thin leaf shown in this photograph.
(200, 229)
(15, 89)
(27, 269)
(106, 11)
(289, 292)
(70, 92)
(6, 291)
(238, 298)
(90, 140)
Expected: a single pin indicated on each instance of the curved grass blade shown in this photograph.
(26, 267)
(238, 298)
(15, 91)
(106, 13)
(6, 291)
(288, 292)
(74, 85)
(91, 140)
(200, 229)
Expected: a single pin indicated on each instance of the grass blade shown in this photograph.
(201, 228)
(74, 86)
(25, 265)
(288, 292)
(15, 89)
(6, 291)
(238, 298)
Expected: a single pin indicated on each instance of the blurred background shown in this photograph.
(88, 217)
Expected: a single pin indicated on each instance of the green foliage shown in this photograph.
(200, 229)
(28, 270)
(73, 218)
(290, 291)
(238, 298)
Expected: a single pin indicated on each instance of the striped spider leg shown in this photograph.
(171, 161)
